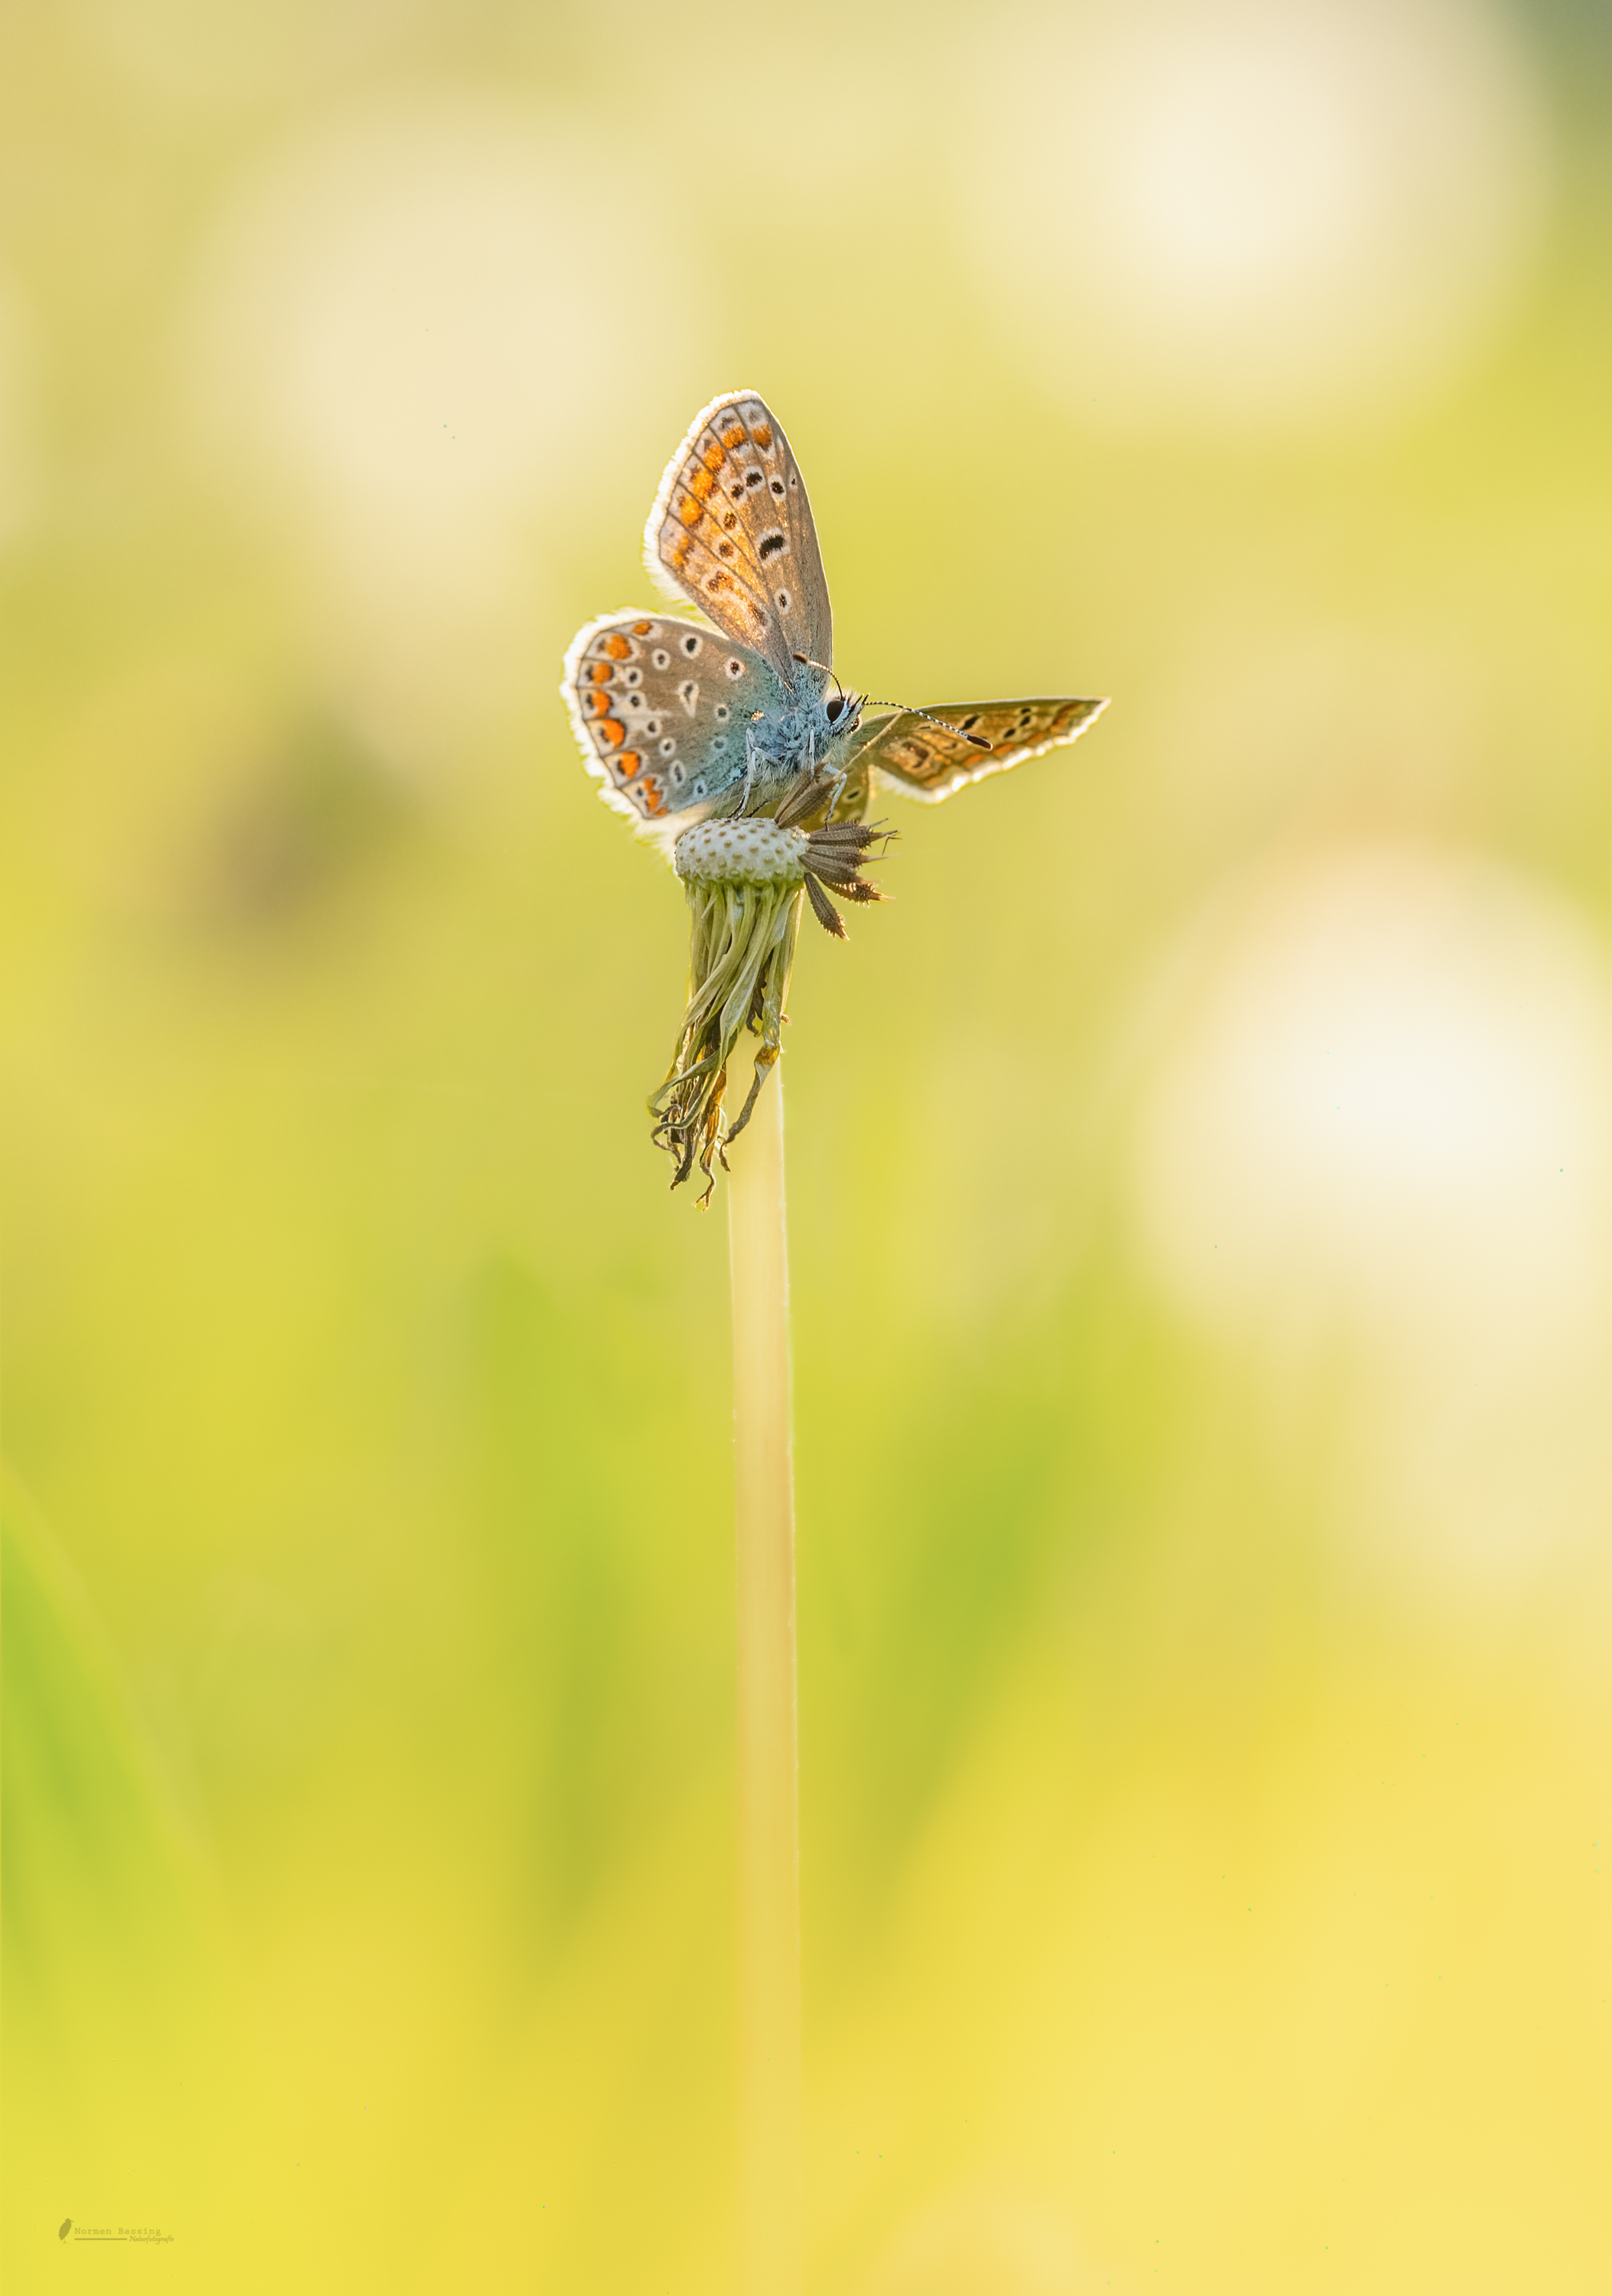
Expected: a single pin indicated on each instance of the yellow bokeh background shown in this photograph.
(1196, 1173)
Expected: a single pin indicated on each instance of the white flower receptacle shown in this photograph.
(746, 851)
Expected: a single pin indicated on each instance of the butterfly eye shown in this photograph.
(835, 707)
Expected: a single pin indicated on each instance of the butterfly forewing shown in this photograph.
(732, 530)
(929, 759)
(660, 707)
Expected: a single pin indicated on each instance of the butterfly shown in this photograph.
(681, 719)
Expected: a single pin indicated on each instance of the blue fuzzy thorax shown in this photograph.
(797, 732)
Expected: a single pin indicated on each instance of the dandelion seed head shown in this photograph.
(752, 851)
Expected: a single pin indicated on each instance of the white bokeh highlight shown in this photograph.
(415, 334)
(1213, 212)
(1376, 1153)
(980, 2240)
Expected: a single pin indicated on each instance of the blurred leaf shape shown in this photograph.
(103, 1891)
(295, 829)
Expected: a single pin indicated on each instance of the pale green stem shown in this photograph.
(769, 1908)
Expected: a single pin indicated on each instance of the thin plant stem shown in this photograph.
(769, 1907)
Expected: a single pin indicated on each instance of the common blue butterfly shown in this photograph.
(679, 721)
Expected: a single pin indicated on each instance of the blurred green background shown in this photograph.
(1198, 1225)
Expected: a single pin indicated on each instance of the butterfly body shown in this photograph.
(681, 721)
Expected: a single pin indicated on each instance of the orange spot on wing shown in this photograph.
(612, 731)
(700, 483)
(734, 435)
(712, 456)
(628, 764)
(616, 647)
(599, 673)
(762, 432)
(642, 629)
(599, 703)
(689, 510)
(653, 802)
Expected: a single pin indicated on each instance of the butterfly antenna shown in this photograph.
(827, 670)
(979, 740)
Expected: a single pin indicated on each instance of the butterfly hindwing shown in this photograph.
(929, 759)
(732, 530)
(660, 707)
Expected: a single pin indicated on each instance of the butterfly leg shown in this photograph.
(747, 789)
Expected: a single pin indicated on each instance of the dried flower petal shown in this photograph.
(745, 876)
